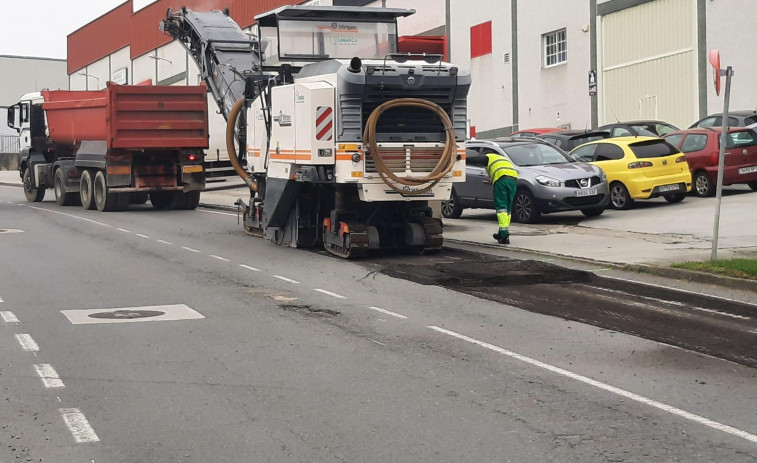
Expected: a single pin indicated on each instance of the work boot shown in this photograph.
(504, 240)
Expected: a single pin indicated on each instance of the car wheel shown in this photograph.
(594, 212)
(525, 209)
(619, 197)
(32, 194)
(752, 185)
(674, 197)
(703, 186)
(451, 208)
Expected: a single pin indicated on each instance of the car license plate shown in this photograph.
(590, 192)
(748, 170)
(665, 188)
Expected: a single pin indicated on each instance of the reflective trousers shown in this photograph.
(504, 194)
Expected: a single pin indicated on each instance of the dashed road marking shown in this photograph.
(142, 236)
(78, 425)
(8, 317)
(389, 312)
(329, 293)
(249, 268)
(189, 249)
(1, 300)
(605, 387)
(219, 258)
(124, 230)
(49, 376)
(72, 216)
(27, 343)
(216, 212)
(288, 280)
(164, 242)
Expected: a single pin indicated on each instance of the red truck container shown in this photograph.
(109, 148)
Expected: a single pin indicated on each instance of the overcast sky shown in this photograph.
(39, 27)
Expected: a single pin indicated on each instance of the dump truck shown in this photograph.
(346, 139)
(117, 146)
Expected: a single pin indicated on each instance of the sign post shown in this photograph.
(718, 73)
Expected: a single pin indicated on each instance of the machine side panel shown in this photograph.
(316, 117)
(283, 131)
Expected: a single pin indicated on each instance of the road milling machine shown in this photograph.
(345, 140)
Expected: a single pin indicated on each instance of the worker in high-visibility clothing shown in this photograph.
(504, 180)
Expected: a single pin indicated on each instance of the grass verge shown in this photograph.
(738, 268)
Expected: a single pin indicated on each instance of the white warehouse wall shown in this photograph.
(544, 92)
(731, 29)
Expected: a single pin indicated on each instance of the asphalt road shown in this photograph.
(290, 355)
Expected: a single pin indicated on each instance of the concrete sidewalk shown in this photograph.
(653, 233)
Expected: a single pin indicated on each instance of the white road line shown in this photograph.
(249, 268)
(1, 300)
(8, 317)
(288, 280)
(329, 293)
(388, 312)
(72, 216)
(189, 249)
(605, 387)
(49, 376)
(216, 212)
(124, 230)
(219, 258)
(78, 425)
(681, 290)
(27, 342)
(164, 242)
(142, 236)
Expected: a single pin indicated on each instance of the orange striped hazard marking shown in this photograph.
(324, 123)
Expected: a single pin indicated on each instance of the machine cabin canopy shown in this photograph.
(313, 33)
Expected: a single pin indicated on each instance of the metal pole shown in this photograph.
(721, 161)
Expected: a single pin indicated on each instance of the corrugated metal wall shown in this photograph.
(649, 63)
(119, 27)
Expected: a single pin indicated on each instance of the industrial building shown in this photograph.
(573, 63)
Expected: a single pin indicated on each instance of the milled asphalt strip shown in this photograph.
(8, 317)
(605, 387)
(49, 376)
(27, 343)
(70, 215)
(78, 425)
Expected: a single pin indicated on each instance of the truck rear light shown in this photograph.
(640, 164)
(192, 157)
(681, 159)
(119, 170)
(714, 157)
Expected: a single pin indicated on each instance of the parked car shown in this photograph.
(534, 132)
(639, 128)
(639, 168)
(735, 119)
(702, 150)
(566, 140)
(548, 181)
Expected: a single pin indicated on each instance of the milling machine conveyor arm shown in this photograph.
(227, 57)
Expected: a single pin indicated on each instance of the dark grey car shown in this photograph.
(548, 181)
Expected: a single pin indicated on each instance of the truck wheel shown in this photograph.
(193, 200)
(86, 188)
(161, 199)
(59, 185)
(139, 197)
(179, 201)
(104, 201)
(122, 201)
(32, 194)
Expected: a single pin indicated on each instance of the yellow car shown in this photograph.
(638, 168)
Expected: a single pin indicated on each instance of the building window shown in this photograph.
(555, 48)
(481, 40)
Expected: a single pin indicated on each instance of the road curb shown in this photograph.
(666, 272)
(11, 184)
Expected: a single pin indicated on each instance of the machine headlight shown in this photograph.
(548, 181)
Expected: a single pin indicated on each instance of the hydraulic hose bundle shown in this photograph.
(233, 157)
(443, 167)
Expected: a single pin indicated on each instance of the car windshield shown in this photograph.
(653, 149)
(535, 154)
